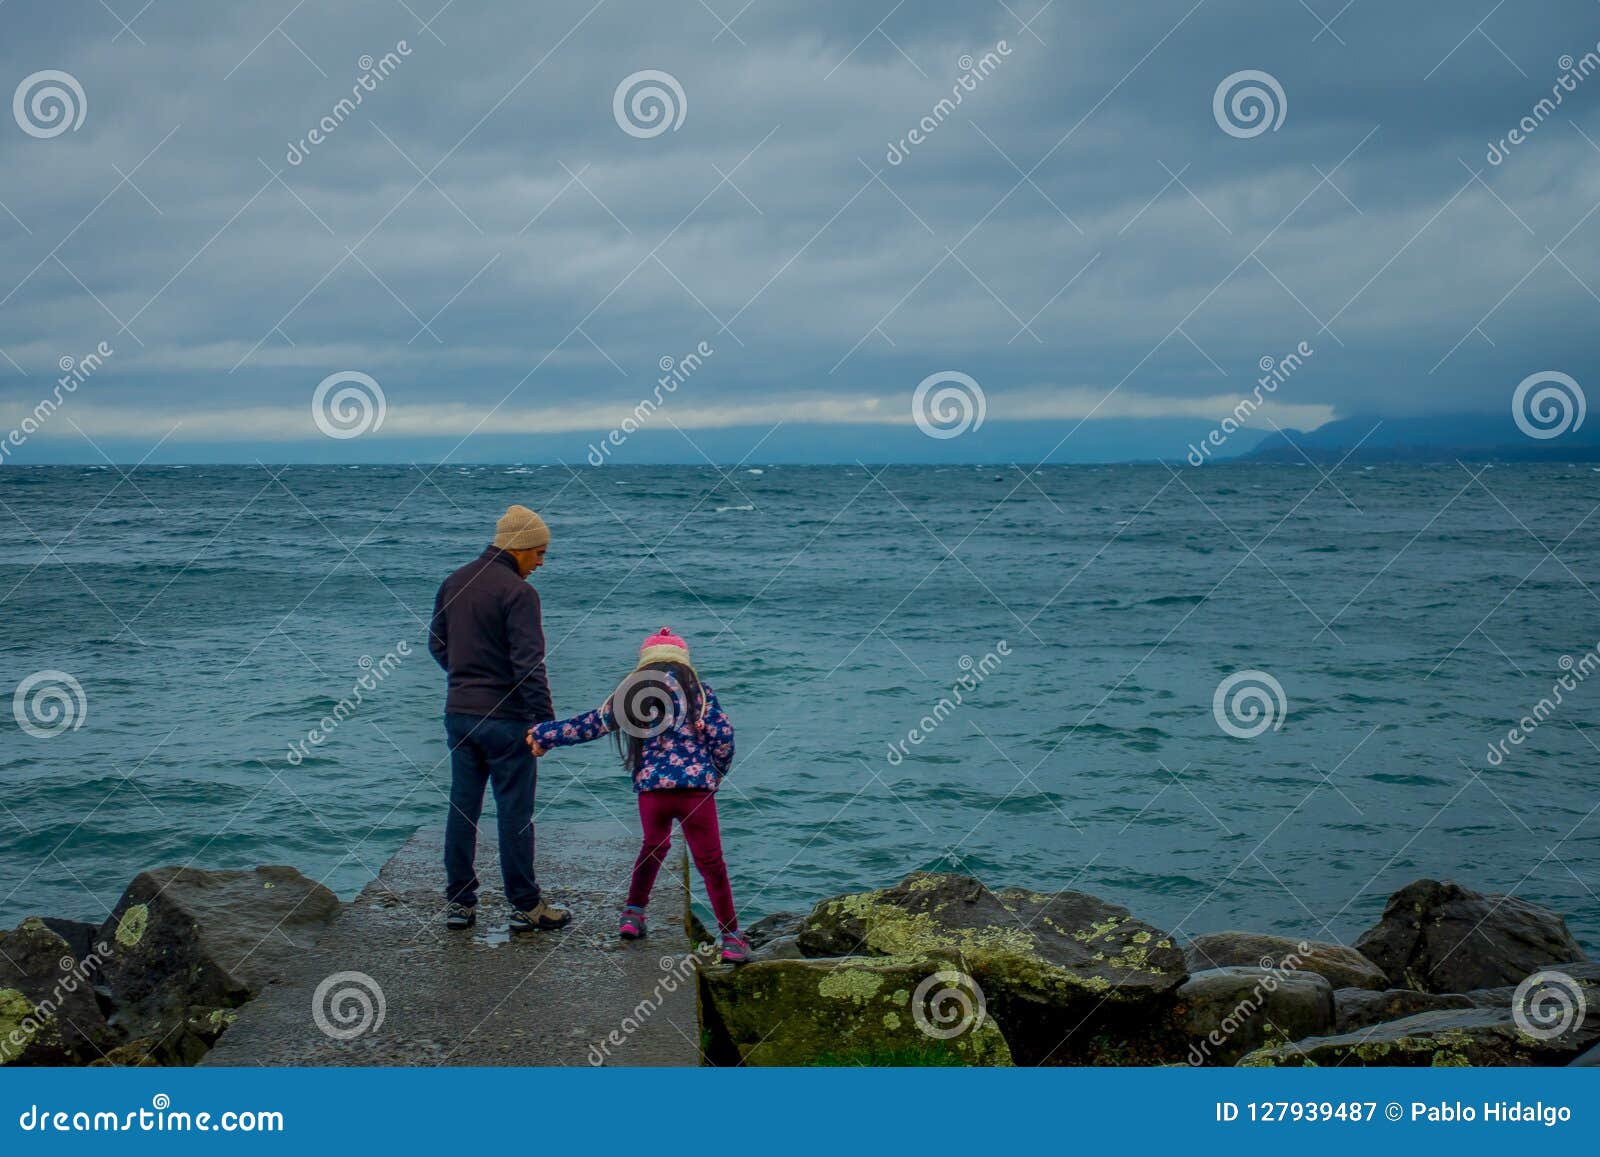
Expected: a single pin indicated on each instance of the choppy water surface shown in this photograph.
(1411, 615)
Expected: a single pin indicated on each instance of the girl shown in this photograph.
(678, 745)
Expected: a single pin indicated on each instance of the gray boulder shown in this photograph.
(783, 948)
(48, 1011)
(1441, 937)
(774, 927)
(1357, 1008)
(1499, 997)
(1445, 1038)
(1586, 972)
(189, 943)
(1342, 967)
(1227, 1012)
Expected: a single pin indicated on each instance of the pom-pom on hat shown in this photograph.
(664, 647)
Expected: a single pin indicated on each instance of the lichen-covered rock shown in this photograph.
(138, 1054)
(1356, 1008)
(1441, 937)
(187, 941)
(1448, 1037)
(180, 1044)
(897, 1010)
(1342, 967)
(1070, 978)
(1227, 1012)
(48, 1011)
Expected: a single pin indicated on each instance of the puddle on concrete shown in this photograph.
(494, 937)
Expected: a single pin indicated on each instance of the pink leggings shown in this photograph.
(696, 812)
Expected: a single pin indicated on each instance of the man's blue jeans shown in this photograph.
(490, 752)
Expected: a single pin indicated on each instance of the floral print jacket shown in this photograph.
(697, 753)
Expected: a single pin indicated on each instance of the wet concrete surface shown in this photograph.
(486, 997)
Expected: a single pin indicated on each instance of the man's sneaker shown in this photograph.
(632, 926)
(735, 948)
(543, 917)
(460, 917)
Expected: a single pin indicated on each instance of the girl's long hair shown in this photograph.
(650, 713)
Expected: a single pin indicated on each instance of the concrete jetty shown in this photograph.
(485, 997)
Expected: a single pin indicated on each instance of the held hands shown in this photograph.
(533, 745)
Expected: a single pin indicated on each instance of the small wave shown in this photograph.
(725, 509)
(1412, 780)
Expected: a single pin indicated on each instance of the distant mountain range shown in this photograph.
(1436, 438)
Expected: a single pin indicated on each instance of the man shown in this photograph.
(487, 635)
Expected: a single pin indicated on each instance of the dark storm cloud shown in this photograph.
(1080, 235)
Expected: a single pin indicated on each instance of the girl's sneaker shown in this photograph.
(632, 924)
(735, 948)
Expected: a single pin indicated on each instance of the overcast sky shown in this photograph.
(484, 238)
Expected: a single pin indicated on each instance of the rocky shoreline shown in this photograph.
(162, 979)
(935, 970)
(939, 969)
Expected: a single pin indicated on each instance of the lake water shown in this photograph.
(1411, 615)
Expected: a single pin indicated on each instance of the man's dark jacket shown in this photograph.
(487, 635)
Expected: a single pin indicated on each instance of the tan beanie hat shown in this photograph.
(520, 529)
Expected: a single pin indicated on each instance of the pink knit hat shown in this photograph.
(664, 647)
